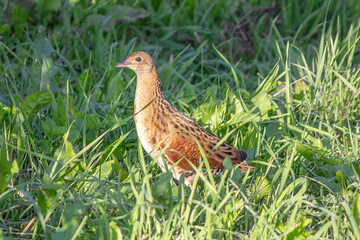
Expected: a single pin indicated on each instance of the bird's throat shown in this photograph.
(147, 90)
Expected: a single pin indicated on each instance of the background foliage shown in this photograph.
(279, 79)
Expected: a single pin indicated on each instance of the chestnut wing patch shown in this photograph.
(182, 146)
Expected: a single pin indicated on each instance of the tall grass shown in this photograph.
(280, 80)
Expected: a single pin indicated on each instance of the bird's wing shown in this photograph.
(182, 146)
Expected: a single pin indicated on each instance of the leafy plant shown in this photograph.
(279, 79)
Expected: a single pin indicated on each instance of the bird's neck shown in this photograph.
(147, 90)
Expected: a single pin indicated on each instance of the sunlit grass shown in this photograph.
(71, 165)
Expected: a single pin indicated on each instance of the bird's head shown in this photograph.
(138, 62)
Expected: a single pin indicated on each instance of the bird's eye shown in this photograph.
(138, 59)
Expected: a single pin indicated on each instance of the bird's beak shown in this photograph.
(123, 63)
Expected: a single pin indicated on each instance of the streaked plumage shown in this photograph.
(161, 127)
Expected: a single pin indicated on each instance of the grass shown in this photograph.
(280, 80)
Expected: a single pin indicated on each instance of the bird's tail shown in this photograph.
(243, 166)
(243, 155)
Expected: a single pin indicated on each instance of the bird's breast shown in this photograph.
(145, 130)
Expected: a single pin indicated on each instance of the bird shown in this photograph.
(168, 135)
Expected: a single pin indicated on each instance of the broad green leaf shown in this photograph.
(274, 130)
(5, 28)
(19, 16)
(48, 6)
(14, 167)
(70, 153)
(301, 91)
(313, 153)
(51, 129)
(228, 164)
(235, 173)
(70, 227)
(51, 5)
(93, 122)
(103, 171)
(46, 146)
(35, 102)
(328, 182)
(211, 113)
(162, 185)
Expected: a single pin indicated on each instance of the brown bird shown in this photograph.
(163, 129)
